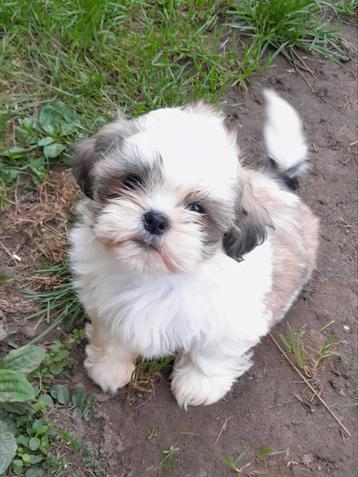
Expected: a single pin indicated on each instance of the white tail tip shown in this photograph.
(284, 137)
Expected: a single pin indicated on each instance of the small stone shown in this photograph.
(307, 459)
(342, 392)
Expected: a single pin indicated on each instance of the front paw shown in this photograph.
(107, 370)
(191, 387)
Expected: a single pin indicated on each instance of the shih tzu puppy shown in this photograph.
(182, 250)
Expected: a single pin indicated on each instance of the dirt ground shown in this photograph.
(269, 407)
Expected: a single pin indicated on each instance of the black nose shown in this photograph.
(155, 223)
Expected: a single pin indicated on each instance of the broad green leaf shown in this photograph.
(56, 368)
(60, 355)
(57, 118)
(8, 447)
(25, 359)
(34, 472)
(39, 427)
(14, 387)
(50, 118)
(14, 152)
(32, 458)
(38, 168)
(60, 393)
(18, 408)
(9, 174)
(23, 440)
(79, 398)
(45, 399)
(45, 141)
(34, 443)
(53, 150)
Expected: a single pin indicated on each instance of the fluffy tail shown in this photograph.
(284, 139)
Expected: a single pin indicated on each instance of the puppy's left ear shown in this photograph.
(251, 223)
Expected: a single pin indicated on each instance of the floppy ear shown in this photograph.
(87, 152)
(83, 160)
(251, 223)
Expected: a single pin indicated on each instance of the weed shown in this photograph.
(328, 350)
(296, 345)
(60, 303)
(233, 461)
(168, 462)
(27, 439)
(38, 141)
(153, 433)
(307, 356)
(146, 369)
(281, 27)
(236, 463)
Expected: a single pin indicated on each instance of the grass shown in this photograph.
(273, 27)
(137, 56)
(309, 356)
(242, 461)
(168, 462)
(146, 370)
(347, 8)
(100, 56)
(103, 55)
(60, 304)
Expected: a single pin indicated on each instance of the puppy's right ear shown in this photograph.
(84, 158)
(87, 152)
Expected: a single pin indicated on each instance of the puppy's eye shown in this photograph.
(132, 181)
(196, 207)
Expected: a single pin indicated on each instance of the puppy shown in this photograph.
(182, 250)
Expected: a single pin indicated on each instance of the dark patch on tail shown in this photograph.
(288, 177)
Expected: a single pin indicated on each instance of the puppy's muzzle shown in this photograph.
(155, 222)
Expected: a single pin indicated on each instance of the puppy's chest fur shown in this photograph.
(156, 315)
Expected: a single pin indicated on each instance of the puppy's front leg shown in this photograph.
(204, 377)
(109, 365)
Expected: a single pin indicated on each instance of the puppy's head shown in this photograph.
(167, 190)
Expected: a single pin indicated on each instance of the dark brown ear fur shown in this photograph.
(251, 223)
(87, 152)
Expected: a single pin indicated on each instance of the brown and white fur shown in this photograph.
(180, 249)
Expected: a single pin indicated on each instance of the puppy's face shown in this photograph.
(165, 187)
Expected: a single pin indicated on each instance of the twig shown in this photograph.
(309, 385)
(306, 80)
(222, 430)
(13, 256)
(306, 67)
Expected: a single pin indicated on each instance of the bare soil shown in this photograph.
(270, 407)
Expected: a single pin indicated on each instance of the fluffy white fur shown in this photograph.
(284, 136)
(171, 297)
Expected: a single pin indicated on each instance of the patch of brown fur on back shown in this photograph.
(294, 248)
